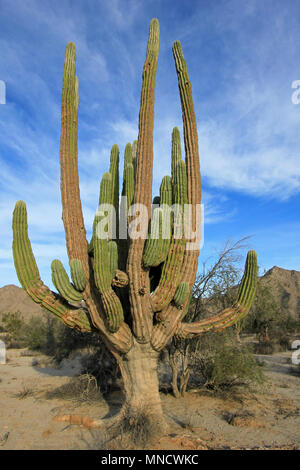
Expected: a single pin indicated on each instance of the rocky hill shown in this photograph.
(285, 286)
(14, 299)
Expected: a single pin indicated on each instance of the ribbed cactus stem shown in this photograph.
(102, 270)
(134, 149)
(181, 294)
(176, 150)
(29, 277)
(127, 154)
(189, 267)
(180, 184)
(139, 282)
(72, 210)
(114, 171)
(27, 270)
(248, 284)
(77, 275)
(129, 183)
(171, 271)
(62, 283)
(157, 245)
(113, 257)
(227, 317)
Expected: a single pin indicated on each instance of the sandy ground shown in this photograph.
(266, 419)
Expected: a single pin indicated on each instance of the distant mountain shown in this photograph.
(285, 285)
(14, 299)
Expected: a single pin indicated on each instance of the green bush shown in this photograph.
(13, 324)
(35, 333)
(221, 363)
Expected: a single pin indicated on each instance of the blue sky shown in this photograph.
(242, 59)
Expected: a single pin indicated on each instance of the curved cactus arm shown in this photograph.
(72, 211)
(189, 267)
(139, 284)
(62, 283)
(29, 276)
(163, 332)
(77, 275)
(102, 272)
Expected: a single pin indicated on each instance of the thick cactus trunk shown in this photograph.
(139, 372)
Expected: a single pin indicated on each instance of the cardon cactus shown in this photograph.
(133, 291)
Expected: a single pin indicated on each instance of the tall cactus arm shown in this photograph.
(129, 183)
(139, 285)
(29, 276)
(171, 317)
(224, 319)
(114, 171)
(189, 269)
(126, 201)
(71, 203)
(102, 272)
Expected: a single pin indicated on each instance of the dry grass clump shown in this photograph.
(83, 388)
(25, 392)
(134, 431)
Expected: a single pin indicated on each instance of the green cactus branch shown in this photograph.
(29, 276)
(157, 245)
(139, 283)
(72, 211)
(77, 275)
(62, 283)
(229, 316)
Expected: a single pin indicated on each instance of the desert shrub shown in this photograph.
(25, 392)
(50, 336)
(35, 333)
(220, 363)
(103, 366)
(83, 388)
(264, 347)
(139, 428)
(96, 360)
(68, 340)
(13, 324)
